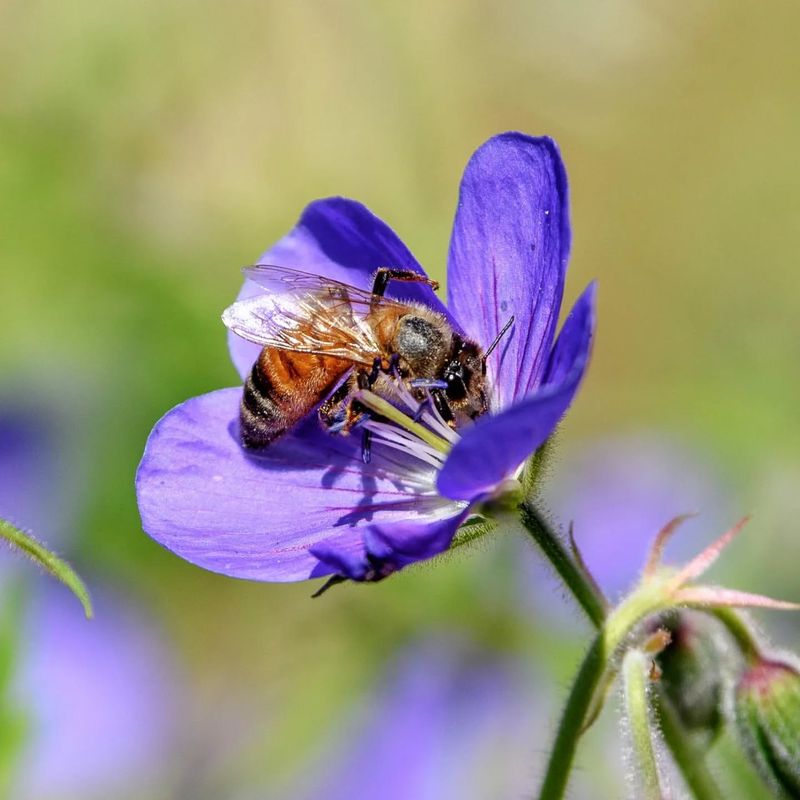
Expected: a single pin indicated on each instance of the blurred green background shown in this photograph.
(148, 150)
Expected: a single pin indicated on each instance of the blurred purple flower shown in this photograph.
(36, 486)
(96, 697)
(620, 492)
(308, 507)
(449, 720)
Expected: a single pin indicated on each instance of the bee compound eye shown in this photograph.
(456, 388)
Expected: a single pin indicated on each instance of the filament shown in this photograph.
(380, 406)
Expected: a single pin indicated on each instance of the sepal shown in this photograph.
(767, 711)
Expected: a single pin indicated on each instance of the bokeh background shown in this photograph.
(149, 149)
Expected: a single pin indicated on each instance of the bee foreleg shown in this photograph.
(377, 368)
(443, 407)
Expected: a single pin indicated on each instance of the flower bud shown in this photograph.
(692, 674)
(767, 709)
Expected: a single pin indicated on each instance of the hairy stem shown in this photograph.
(598, 664)
(687, 757)
(637, 709)
(571, 724)
(39, 554)
(597, 661)
(576, 580)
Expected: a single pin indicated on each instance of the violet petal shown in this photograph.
(508, 256)
(256, 515)
(388, 548)
(342, 240)
(495, 446)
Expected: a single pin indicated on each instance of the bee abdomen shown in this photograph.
(261, 417)
(282, 388)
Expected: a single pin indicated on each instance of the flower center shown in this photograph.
(418, 429)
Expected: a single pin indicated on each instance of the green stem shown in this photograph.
(580, 585)
(634, 679)
(686, 756)
(56, 566)
(614, 628)
(740, 632)
(595, 665)
(569, 728)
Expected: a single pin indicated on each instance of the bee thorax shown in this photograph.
(422, 343)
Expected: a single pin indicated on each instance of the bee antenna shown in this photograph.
(498, 338)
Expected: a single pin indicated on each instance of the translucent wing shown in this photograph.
(306, 313)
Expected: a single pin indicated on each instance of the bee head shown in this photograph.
(464, 371)
(464, 374)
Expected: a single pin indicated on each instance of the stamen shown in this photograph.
(431, 417)
(427, 412)
(392, 437)
(380, 406)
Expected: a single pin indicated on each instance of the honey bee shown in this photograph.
(324, 340)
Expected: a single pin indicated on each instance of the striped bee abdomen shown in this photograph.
(282, 388)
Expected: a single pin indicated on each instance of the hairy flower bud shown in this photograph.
(692, 674)
(767, 709)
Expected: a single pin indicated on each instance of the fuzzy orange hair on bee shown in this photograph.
(324, 340)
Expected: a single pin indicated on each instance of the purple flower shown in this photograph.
(448, 720)
(98, 700)
(95, 699)
(37, 489)
(307, 506)
(619, 492)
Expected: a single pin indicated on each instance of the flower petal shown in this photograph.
(256, 515)
(388, 548)
(342, 240)
(493, 448)
(508, 256)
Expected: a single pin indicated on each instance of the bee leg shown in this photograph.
(359, 414)
(370, 379)
(366, 446)
(333, 413)
(386, 274)
(443, 407)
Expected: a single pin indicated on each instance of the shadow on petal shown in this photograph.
(255, 515)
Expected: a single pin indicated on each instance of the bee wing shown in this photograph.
(305, 313)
